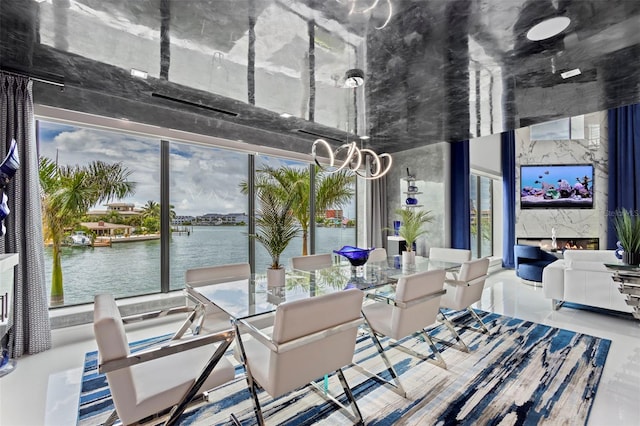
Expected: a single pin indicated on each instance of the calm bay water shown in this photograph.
(133, 268)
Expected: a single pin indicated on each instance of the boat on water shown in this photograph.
(78, 239)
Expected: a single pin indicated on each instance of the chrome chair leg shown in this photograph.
(322, 392)
(438, 361)
(396, 386)
(111, 419)
(460, 343)
(251, 383)
(479, 320)
(352, 400)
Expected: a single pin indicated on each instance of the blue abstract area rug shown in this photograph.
(521, 373)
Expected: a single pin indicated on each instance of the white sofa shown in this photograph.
(581, 277)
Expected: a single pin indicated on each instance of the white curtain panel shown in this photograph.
(30, 331)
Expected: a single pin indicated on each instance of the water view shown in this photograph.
(133, 268)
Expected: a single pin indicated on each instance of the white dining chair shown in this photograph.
(414, 308)
(206, 317)
(312, 261)
(378, 255)
(163, 380)
(307, 339)
(466, 290)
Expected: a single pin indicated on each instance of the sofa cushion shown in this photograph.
(600, 256)
(586, 265)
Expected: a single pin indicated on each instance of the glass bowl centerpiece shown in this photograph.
(355, 255)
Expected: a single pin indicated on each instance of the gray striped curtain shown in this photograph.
(31, 330)
(378, 217)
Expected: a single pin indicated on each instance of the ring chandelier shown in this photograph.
(353, 8)
(353, 160)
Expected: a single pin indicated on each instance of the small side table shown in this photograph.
(628, 279)
(557, 253)
(395, 245)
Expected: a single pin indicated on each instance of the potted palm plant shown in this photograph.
(627, 226)
(411, 227)
(276, 227)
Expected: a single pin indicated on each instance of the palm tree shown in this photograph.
(332, 190)
(151, 209)
(67, 193)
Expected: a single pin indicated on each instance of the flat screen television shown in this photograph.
(556, 186)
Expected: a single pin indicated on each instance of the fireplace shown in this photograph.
(564, 243)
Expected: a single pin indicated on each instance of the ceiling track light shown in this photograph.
(353, 159)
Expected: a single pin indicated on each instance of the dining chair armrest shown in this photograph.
(320, 335)
(379, 298)
(255, 332)
(424, 298)
(195, 295)
(301, 341)
(129, 319)
(467, 283)
(174, 347)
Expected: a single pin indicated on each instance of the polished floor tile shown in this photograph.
(43, 390)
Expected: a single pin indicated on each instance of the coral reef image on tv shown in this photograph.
(556, 186)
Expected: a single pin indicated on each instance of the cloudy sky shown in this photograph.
(203, 179)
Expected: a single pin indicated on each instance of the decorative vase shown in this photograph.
(619, 250)
(408, 258)
(275, 277)
(412, 201)
(396, 227)
(631, 258)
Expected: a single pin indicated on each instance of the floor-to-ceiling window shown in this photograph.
(293, 177)
(336, 223)
(481, 194)
(206, 189)
(209, 212)
(125, 255)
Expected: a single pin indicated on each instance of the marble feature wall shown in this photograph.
(537, 223)
(430, 166)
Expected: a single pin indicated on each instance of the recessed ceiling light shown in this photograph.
(285, 115)
(570, 73)
(548, 28)
(364, 137)
(138, 73)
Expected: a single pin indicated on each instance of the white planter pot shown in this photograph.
(408, 258)
(275, 277)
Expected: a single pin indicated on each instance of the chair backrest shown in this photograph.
(298, 362)
(473, 273)
(112, 342)
(415, 316)
(217, 274)
(311, 262)
(378, 255)
(449, 254)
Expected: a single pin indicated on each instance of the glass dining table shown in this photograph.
(246, 298)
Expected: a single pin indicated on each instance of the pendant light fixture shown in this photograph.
(379, 164)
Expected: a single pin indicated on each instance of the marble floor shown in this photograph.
(43, 390)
